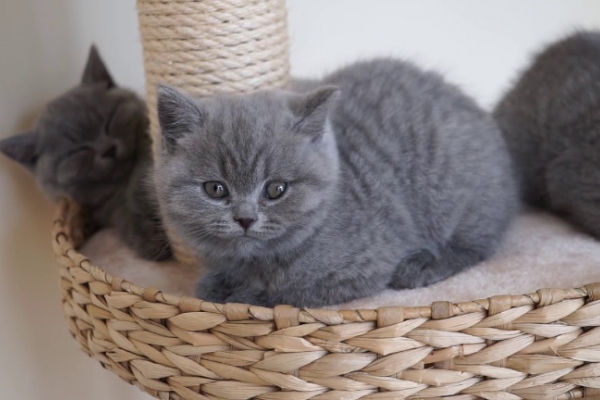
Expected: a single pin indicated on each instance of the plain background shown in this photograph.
(43, 45)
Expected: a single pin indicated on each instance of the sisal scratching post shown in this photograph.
(205, 47)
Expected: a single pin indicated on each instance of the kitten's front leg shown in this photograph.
(424, 268)
(307, 289)
(218, 288)
(214, 287)
(250, 296)
(325, 291)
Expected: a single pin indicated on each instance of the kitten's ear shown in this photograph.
(21, 148)
(312, 109)
(177, 114)
(95, 71)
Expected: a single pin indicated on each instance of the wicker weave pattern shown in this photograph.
(538, 346)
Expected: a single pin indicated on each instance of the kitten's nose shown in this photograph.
(245, 222)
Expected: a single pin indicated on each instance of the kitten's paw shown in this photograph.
(418, 270)
(249, 297)
(212, 288)
(424, 268)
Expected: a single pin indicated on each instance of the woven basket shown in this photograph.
(539, 346)
(545, 345)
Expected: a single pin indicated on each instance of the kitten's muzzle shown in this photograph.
(245, 222)
(110, 152)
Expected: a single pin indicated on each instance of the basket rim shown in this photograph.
(68, 211)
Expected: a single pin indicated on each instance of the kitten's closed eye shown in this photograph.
(110, 120)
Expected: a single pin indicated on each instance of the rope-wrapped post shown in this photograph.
(205, 47)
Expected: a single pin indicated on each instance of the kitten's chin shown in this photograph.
(248, 246)
(236, 247)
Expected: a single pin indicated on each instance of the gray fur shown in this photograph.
(396, 179)
(551, 122)
(92, 144)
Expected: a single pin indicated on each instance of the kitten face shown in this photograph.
(245, 176)
(87, 136)
(85, 141)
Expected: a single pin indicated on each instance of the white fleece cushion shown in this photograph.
(539, 251)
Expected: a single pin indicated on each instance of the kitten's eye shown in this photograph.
(275, 190)
(216, 190)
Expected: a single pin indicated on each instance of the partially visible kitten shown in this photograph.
(92, 144)
(551, 122)
(396, 180)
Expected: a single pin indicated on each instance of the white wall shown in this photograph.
(43, 45)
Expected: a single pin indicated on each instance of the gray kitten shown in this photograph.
(383, 176)
(551, 122)
(91, 143)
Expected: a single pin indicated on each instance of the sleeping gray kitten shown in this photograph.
(91, 143)
(551, 122)
(384, 176)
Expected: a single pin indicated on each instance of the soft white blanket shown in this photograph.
(539, 251)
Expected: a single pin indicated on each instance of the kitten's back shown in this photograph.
(551, 122)
(551, 97)
(425, 138)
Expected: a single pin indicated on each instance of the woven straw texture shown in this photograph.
(211, 46)
(545, 345)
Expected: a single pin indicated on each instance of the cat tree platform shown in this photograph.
(537, 346)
